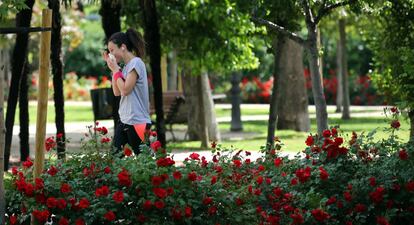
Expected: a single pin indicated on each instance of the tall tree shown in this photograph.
(57, 71)
(110, 12)
(152, 37)
(314, 12)
(343, 69)
(389, 32)
(292, 97)
(19, 57)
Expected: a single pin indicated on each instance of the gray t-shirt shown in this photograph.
(134, 108)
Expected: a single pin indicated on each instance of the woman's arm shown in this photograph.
(125, 87)
(115, 88)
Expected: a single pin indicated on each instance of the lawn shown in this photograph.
(293, 141)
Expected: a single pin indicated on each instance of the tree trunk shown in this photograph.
(203, 133)
(339, 89)
(411, 116)
(236, 123)
(24, 113)
(317, 87)
(191, 100)
(344, 70)
(277, 43)
(3, 72)
(152, 37)
(57, 71)
(110, 12)
(209, 110)
(23, 19)
(173, 72)
(293, 100)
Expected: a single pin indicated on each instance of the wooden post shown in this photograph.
(44, 72)
(164, 73)
(202, 117)
(180, 80)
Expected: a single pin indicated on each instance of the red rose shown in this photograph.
(372, 181)
(102, 191)
(110, 216)
(194, 156)
(51, 202)
(84, 203)
(237, 163)
(177, 175)
(52, 171)
(212, 210)
(187, 211)
(213, 180)
(192, 176)
(410, 186)
(156, 145)
(127, 152)
(28, 163)
(320, 215)
(278, 161)
(39, 184)
(160, 192)
(80, 221)
(65, 188)
(377, 195)
(159, 204)
(156, 180)
(382, 221)
(347, 196)
(61, 203)
(207, 201)
(323, 174)
(107, 170)
(326, 133)
(63, 221)
(104, 130)
(309, 141)
(118, 196)
(360, 208)
(395, 124)
(334, 131)
(124, 178)
(41, 216)
(13, 219)
(403, 154)
(147, 205)
(331, 200)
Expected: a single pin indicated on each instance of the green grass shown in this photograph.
(72, 114)
(295, 141)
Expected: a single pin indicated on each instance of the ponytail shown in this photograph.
(131, 39)
(137, 42)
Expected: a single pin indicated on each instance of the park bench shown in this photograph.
(174, 109)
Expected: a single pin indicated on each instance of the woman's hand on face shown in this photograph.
(111, 62)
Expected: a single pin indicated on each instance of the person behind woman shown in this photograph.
(131, 84)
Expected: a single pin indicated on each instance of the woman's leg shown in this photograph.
(120, 138)
(133, 139)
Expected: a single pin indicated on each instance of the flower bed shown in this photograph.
(358, 181)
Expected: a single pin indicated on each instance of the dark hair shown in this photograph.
(131, 39)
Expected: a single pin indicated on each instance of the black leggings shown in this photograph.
(126, 134)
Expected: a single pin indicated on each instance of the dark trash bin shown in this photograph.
(102, 103)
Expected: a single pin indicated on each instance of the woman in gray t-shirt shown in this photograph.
(131, 84)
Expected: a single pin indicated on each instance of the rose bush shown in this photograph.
(333, 181)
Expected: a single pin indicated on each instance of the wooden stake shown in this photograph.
(3, 62)
(44, 72)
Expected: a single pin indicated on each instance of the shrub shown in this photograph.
(333, 181)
